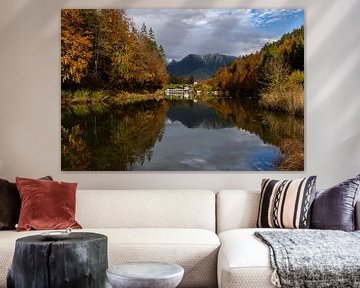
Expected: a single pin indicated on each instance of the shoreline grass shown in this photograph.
(293, 151)
(287, 96)
(290, 101)
(87, 97)
(84, 97)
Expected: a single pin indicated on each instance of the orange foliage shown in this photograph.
(75, 46)
(103, 48)
(266, 69)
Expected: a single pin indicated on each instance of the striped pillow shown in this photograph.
(286, 204)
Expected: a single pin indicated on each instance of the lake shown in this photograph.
(175, 134)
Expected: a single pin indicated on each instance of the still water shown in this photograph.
(218, 134)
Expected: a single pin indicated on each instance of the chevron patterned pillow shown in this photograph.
(286, 204)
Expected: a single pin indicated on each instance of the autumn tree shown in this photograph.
(269, 68)
(76, 46)
(273, 71)
(119, 57)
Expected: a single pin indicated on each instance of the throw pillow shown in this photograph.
(10, 203)
(334, 208)
(46, 204)
(286, 204)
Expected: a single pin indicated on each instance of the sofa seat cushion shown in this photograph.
(244, 261)
(194, 249)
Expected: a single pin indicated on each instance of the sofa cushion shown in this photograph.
(10, 204)
(244, 261)
(146, 209)
(46, 204)
(334, 208)
(236, 209)
(194, 249)
(286, 204)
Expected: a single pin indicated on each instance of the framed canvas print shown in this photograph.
(182, 89)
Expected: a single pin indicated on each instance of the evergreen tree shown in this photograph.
(151, 35)
(143, 30)
(162, 52)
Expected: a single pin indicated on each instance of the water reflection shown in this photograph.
(270, 126)
(115, 138)
(209, 150)
(179, 93)
(216, 134)
(194, 115)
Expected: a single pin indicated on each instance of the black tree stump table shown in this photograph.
(79, 261)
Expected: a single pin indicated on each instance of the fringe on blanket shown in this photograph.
(275, 280)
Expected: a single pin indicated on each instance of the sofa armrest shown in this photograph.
(357, 215)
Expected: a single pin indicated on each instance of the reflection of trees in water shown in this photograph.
(117, 137)
(75, 155)
(281, 127)
(283, 130)
(272, 127)
(109, 139)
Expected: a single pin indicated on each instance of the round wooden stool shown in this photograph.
(79, 260)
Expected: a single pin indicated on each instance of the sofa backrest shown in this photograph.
(239, 209)
(146, 209)
(236, 209)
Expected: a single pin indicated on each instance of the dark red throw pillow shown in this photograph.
(10, 204)
(46, 204)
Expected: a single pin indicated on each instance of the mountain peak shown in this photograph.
(169, 60)
(199, 66)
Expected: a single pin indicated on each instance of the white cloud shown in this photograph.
(227, 31)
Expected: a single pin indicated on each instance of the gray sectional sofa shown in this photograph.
(210, 235)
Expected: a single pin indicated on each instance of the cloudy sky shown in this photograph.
(225, 31)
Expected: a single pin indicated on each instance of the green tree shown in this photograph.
(191, 79)
(162, 53)
(143, 30)
(273, 71)
(151, 34)
(297, 56)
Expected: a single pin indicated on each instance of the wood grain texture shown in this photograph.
(79, 261)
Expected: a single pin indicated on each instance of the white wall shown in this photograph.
(30, 95)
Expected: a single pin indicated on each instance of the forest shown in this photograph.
(275, 74)
(102, 49)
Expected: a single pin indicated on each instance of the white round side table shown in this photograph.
(145, 275)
